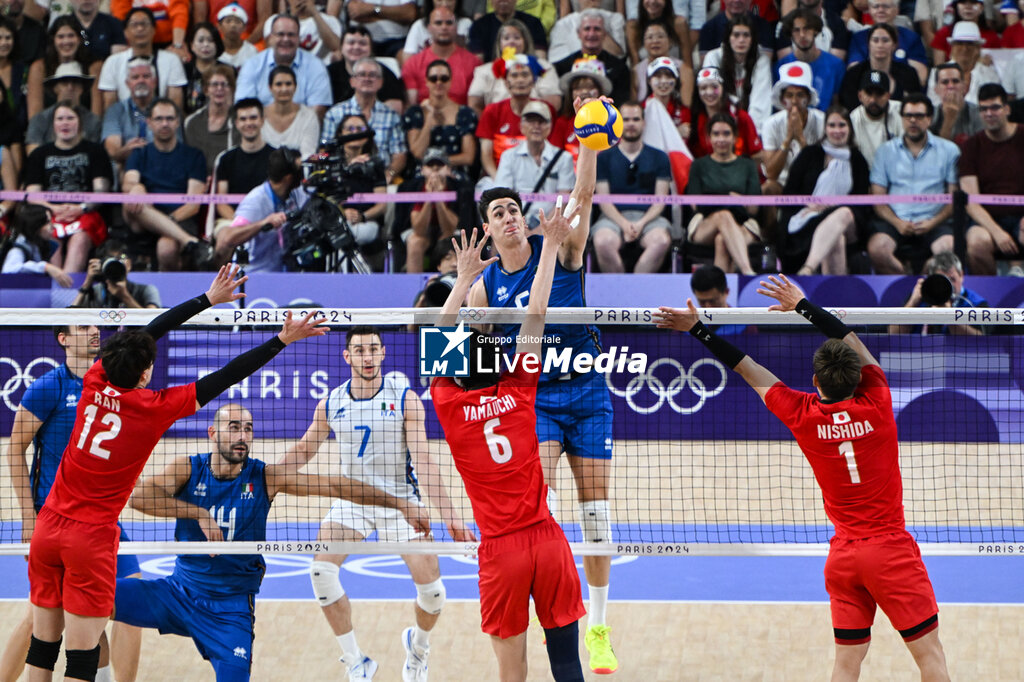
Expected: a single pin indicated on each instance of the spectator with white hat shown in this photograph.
(710, 100)
(965, 49)
(231, 21)
(795, 126)
(658, 43)
(746, 71)
(586, 80)
(663, 82)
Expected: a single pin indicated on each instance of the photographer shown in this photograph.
(942, 287)
(263, 212)
(365, 173)
(106, 282)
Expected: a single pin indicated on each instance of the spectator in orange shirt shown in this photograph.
(171, 22)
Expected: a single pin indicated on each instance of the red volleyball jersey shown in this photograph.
(852, 448)
(115, 432)
(493, 438)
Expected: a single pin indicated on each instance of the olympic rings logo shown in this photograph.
(21, 378)
(475, 314)
(667, 393)
(838, 313)
(113, 315)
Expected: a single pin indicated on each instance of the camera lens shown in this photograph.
(113, 270)
(936, 289)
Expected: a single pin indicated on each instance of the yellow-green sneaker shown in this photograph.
(599, 646)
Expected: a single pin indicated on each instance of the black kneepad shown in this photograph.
(563, 653)
(82, 664)
(42, 654)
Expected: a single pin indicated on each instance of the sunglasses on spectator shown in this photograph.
(439, 79)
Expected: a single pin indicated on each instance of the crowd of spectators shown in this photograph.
(769, 97)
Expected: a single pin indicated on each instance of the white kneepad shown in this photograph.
(326, 585)
(596, 521)
(430, 596)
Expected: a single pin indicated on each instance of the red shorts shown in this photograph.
(73, 565)
(534, 561)
(886, 571)
(91, 223)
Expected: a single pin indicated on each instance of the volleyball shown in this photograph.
(598, 125)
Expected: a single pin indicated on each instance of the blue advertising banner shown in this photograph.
(945, 388)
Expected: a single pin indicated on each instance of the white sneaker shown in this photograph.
(415, 669)
(360, 670)
(1016, 271)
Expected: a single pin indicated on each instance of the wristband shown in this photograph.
(719, 347)
(84, 290)
(828, 324)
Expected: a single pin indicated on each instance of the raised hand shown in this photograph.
(222, 290)
(295, 330)
(559, 224)
(677, 318)
(781, 289)
(469, 264)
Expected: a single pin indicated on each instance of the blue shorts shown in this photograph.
(222, 629)
(578, 414)
(127, 564)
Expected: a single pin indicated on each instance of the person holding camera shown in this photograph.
(264, 211)
(942, 287)
(106, 282)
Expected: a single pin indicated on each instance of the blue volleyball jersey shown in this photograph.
(512, 290)
(240, 507)
(53, 400)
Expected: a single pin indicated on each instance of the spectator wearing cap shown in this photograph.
(592, 34)
(319, 32)
(715, 29)
(536, 165)
(565, 33)
(877, 120)
(125, 125)
(664, 84)
(429, 223)
(232, 20)
(796, 125)
(909, 47)
(443, 46)
(803, 27)
(483, 34)
(972, 11)
(881, 49)
(993, 163)
(965, 49)
(746, 72)
(389, 137)
(312, 86)
(68, 84)
(139, 29)
(103, 34)
(915, 163)
(657, 44)
(171, 21)
(631, 167)
(585, 81)
(709, 100)
(499, 127)
(488, 87)
(441, 123)
(955, 119)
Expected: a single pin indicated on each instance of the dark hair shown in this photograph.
(698, 108)
(484, 362)
(667, 20)
(220, 69)
(917, 98)
(721, 117)
(438, 62)
(217, 40)
(9, 25)
(28, 218)
(633, 103)
(281, 163)
(981, 21)
(441, 250)
(992, 91)
(728, 66)
(497, 193)
(284, 15)
(676, 96)
(60, 329)
(811, 20)
(949, 65)
(523, 31)
(370, 145)
(357, 29)
(137, 10)
(361, 330)
(279, 69)
(246, 103)
(162, 101)
(126, 355)
(845, 113)
(68, 104)
(82, 54)
(708, 277)
(888, 28)
(111, 248)
(837, 367)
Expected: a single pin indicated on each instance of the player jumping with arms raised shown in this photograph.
(490, 425)
(574, 411)
(847, 432)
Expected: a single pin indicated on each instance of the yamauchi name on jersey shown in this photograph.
(491, 407)
(843, 428)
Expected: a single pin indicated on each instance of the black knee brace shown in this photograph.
(42, 654)
(564, 653)
(82, 664)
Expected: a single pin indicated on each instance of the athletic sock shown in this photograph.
(349, 645)
(596, 614)
(553, 502)
(420, 637)
(104, 674)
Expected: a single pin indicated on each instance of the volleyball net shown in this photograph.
(699, 465)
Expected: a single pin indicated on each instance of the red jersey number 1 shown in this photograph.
(498, 445)
(109, 419)
(846, 450)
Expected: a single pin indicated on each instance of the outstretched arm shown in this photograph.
(222, 290)
(212, 385)
(573, 248)
(790, 297)
(307, 446)
(468, 266)
(757, 376)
